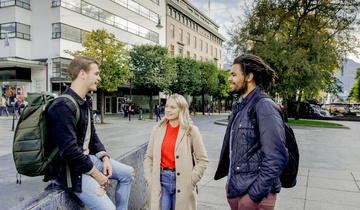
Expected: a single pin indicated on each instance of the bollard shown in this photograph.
(13, 122)
(140, 114)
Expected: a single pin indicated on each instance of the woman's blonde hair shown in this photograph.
(184, 116)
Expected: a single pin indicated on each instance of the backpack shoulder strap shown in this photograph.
(76, 104)
(68, 175)
(252, 108)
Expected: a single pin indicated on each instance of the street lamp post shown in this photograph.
(130, 100)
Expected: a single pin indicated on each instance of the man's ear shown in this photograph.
(82, 74)
(249, 77)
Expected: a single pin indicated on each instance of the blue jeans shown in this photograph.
(168, 190)
(90, 194)
(4, 109)
(158, 117)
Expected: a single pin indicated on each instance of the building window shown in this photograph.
(206, 48)
(15, 29)
(112, 19)
(194, 56)
(201, 58)
(155, 1)
(20, 3)
(211, 50)
(180, 35)
(172, 31)
(139, 9)
(59, 68)
(171, 50)
(195, 42)
(67, 32)
(201, 45)
(181, 50)
(56, 3)
(215, 52)
(188, 54)
(188, 38)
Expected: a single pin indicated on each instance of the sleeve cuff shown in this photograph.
(92, 170)
(100, 154)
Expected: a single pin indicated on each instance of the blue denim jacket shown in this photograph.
(70, 136)
(253, 166)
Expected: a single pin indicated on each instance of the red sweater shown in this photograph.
(168, 147)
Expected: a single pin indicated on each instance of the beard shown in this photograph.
(242, 89)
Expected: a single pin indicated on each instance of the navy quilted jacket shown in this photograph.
(255, 165)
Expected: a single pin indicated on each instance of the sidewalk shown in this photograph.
(329, 175)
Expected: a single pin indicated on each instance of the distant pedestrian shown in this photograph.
(175, 159)
(252, 159)
(16, 108)
(158, 113)
(4, 105)
(209, 110)
(126, 110)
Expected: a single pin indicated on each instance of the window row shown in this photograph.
(213, 50)
(20, 3)
(15, 29)
(60, 30)
(188, 54)
(137, 8)
(155, 1)
(104, 16)
(193, 25)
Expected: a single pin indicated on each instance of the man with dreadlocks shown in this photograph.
(252, 159)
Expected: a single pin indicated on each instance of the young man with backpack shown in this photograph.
(252, 158)
(82, 163)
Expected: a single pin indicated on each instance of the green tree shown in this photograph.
(188, 76)
(223, 87)
(303, 41)
(113, 57)
(355, 90)
(154, 71)
(209, 80)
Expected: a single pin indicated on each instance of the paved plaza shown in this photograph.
(329, 175)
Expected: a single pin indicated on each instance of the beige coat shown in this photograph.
(187, 174)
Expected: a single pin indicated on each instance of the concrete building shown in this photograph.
(36, 33)
(191, 33)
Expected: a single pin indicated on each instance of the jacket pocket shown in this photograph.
(246, 168)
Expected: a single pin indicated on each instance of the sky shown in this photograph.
(224, 12)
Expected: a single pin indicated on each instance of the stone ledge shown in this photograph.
(54, 197)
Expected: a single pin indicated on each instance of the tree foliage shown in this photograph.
(223, 87)
(153, 70)
(188, 78)
(303, 41)
(209, 80)
(113, 57)
(355, 90)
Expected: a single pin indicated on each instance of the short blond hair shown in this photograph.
(80, 63)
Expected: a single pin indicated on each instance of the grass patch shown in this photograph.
(312, 122)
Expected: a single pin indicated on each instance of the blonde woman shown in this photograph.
(175, 159)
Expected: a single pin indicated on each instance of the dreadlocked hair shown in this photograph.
(264, 76)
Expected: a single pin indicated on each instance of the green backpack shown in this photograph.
(33, 144)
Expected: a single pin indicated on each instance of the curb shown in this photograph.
(225, 123)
